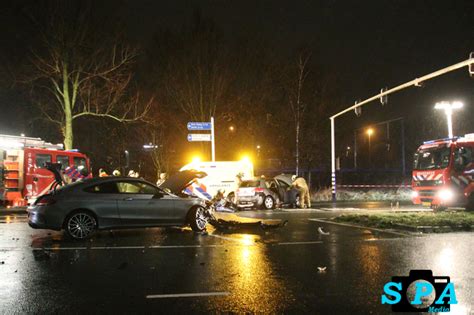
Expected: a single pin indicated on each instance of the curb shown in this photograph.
(15, 210)
(434, 228)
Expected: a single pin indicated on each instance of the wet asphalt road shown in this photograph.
(253, 270)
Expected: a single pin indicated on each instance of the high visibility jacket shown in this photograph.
(300, 183)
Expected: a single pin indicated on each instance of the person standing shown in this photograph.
(300, 184)
(162, 179)
(102, 173)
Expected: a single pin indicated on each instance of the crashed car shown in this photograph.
(94, 204)
(267, 193)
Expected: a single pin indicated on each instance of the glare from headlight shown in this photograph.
(446, 194)
(414, 194)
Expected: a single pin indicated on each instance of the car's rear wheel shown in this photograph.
(80, 225)
(269, 203)
(198, 218)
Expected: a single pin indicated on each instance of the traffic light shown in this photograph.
(358, 109)
(383, 98)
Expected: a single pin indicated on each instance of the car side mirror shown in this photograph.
(158, 195)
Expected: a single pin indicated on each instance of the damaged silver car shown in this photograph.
(94, 204)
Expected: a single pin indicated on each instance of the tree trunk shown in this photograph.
(67, 131)
(67, 128)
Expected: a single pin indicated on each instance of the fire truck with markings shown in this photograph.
(23, 176)
(443, 172)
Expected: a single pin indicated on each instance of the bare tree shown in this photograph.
(77, 74)
(298, 75)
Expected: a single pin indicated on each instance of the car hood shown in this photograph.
(179, 181)
(285, 178)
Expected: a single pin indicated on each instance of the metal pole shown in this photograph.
(333, 161)
(213, 141)
(415, 82)
(403, 149)
(355, 149)
(449, 116)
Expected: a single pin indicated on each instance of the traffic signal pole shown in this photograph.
(416, 82)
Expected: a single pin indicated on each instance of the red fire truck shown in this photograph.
(443, 173)
(22, 174)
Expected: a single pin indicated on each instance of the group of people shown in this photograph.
(117, 173)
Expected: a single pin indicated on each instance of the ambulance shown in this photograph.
(23, 176)
(222, 175)
(443, 173)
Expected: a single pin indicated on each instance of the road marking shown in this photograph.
(240, 241)
(117, 247)
(299, 243)
(361, 227)
(186, 295)
(59, 248)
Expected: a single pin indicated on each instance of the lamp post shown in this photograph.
(370, 131)
(448, 110)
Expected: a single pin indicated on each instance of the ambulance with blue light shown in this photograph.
(224, 176)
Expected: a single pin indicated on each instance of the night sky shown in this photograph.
(366, 44)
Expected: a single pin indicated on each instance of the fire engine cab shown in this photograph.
(443, 172)
(23, 176)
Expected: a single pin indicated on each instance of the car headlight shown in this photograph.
(414, 194)
(446, 194)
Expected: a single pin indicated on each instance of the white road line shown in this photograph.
(361, 227)
(229, 239)
(57, 248)
(186, 295)
(299, 243)
(117, 247)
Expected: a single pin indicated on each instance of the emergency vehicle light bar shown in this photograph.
(440, 140)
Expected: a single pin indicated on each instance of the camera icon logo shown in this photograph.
(419, 292)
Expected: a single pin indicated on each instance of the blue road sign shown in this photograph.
(199, 137)
(199, 126)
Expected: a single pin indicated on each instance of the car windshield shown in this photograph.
(250, 183)
(432, 158)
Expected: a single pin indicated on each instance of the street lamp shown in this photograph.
(231, 128)
(370, 131)
(448, 110)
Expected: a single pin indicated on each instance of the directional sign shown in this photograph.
(199, 137)
(199, 126)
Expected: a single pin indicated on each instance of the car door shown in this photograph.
(283, 191)
(102, 198)
(141, 204)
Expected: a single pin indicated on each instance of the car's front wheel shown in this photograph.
(198, 218)
(80, 225)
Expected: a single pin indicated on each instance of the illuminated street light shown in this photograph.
(231, 128)
(448, 110)
(370, 131)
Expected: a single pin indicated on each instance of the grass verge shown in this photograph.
(455, 220)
